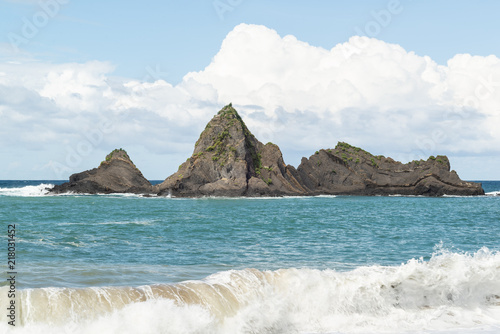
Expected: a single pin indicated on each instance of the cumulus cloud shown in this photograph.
(368, 92)
(57, 109)
(372, 92)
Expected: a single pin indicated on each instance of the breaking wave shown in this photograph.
(43, 190)
(451, 292)
(27, 191)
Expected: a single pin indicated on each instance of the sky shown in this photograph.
(401, 78)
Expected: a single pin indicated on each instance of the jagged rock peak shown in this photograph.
(229, 161)
(226, 139)
(219, 128)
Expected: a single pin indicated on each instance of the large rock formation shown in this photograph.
(116, 174)
(229, 161)
(350, 170)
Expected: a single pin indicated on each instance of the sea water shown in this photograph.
(345, 264)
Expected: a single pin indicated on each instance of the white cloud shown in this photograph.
(375, 93)
(365, 91)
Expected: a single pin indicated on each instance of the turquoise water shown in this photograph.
(107, 243)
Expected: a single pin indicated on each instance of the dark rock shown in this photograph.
(229, 161)
(350, 170)
(117, 174)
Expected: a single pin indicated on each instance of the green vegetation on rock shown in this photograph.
(345, 147)
(220, 146)
(117, 153)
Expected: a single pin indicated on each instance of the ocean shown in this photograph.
(326, 264)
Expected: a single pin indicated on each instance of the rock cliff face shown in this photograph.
(229, 161)
(117, 174)
(350, 170)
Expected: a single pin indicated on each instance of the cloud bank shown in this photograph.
(365, 91)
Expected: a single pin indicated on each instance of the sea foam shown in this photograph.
(43, 190)
(452, 292)
(27, 191)
(493, 193)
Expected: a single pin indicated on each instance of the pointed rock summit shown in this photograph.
(229, 161)
(116, 174)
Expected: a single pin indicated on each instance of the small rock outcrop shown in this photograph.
(116, 174)
(229, 161)
(350, 170)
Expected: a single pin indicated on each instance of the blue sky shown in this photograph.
(122, 47)
(182, 36)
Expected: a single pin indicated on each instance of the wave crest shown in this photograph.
(451, 291)
(27, 191)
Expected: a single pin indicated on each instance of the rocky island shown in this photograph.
(116, 174)
(350, 170)
(229, 161)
